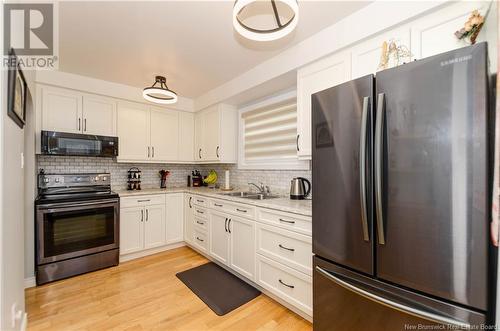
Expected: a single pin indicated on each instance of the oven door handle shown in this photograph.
(55, 206)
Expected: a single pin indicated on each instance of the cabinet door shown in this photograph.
(188, 218)
(133, 132)
(174, 229)
(242, 233)
(131, 230)
(198, 134)
(164, 135)
(211, 134)
(219, 237)
(316, 77)
(154, 226)
(366, 55)
(61, 110)
(99, 115)
(186, 136)
(431, 35)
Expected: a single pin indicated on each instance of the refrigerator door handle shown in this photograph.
(392, 304)
(379, 141)
(362, 168)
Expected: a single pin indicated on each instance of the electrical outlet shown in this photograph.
(16, 315)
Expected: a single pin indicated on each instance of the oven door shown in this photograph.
(67, 230)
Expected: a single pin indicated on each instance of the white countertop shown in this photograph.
(302, 207)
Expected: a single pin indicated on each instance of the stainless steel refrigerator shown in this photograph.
(401, 168)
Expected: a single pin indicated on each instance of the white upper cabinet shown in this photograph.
(434, 34)
(76, 112)
(216, 134)
(164, 135)
(99, 115)
(366, 55)
(320, 75)
(61, 110)
(186, 136)
(133, 127)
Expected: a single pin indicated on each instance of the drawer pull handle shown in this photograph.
(201, 201)
(285, 221)
(197, 238)
(217, 205)
(283, 283)
(199, 211)
(241, 210)
(288, 249)
(145, 200)
(200, 223)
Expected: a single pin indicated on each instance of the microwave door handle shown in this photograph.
(415, 311)
(362, 169)
(379, 141)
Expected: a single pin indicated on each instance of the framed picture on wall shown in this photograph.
(16, 92)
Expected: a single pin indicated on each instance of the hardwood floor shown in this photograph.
(145, 294)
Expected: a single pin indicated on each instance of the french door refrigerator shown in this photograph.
(401, 197)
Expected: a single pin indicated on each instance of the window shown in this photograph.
(268, 134)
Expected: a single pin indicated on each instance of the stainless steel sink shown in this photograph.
(251, 195)
(238, 194)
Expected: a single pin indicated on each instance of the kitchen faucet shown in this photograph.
(262, 189)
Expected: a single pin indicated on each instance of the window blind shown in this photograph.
(270, 133)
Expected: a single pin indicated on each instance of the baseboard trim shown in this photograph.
(133, 256)
(260, 288)
(29, 282)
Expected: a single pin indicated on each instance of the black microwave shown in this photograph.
(75, 144)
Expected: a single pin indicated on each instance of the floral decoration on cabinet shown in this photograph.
(393, 54)
(471, 28)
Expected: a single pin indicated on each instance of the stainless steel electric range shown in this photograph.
(77, 225)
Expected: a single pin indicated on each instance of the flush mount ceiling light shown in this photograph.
(286, 17)
(159, 92)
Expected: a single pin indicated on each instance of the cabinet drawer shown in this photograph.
(201, 223)
(291, 249)
(200, 240)
(200, 212)
(200, 201)
(290, 285)
(142, 200)
(233, 208)
(294, 222)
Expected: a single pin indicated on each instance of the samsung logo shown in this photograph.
(456, 60)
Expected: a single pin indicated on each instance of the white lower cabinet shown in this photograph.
(174, 218)
(188, 218)
(271, 248)
(131, 229)
(289, 284)
(150, 222)
(242, 246)
(219, 237)
(154, 226)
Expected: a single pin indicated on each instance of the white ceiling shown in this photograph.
(191, 42)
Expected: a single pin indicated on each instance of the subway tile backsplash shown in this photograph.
(277, 180)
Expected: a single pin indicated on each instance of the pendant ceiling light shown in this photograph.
(286, 16)
(159, 92)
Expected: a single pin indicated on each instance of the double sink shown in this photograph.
(251, 195)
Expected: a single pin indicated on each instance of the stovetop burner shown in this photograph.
(74, 187)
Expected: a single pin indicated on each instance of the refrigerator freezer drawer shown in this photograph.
(347, 301)
(290, 285)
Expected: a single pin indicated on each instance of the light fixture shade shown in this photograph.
(160, 94)
(269, 34)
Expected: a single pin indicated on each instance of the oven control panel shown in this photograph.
(69, 180)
